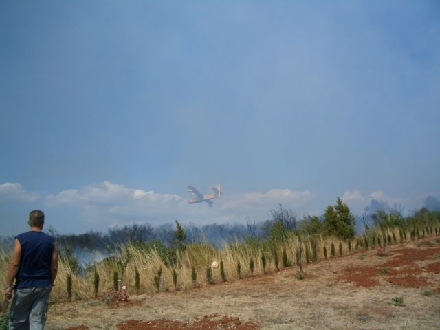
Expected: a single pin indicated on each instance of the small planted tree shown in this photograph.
(137, 280)
(178, 244)
(222, 272)
(115, 281)
(314, 245)
(275, 259)
(307, 253)
(263, 262)
(286, 262)
(209, 278)
(175, 279)
(193, 276)
(332, 249)
(157, 279)
(239, 269)
(338, 221)
(69, 286)
(95, 282)
(299, 259)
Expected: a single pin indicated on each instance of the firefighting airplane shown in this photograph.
(197, 197)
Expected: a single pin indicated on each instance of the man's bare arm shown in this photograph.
(14, 265)
(54, 265)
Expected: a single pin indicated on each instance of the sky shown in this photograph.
(110, 109)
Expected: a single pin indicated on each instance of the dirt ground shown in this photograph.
(395, 288)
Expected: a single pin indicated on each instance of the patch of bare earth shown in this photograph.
(358, 291)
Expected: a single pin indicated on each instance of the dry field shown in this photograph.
(396, 288)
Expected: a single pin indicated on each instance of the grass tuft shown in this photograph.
(398, 302)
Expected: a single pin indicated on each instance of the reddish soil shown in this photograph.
(402, 267)
(214, 321)
(414, 265)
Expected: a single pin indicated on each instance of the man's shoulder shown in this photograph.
(31, 235)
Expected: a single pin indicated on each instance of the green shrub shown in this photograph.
(398, 301)
(384, 271)
(427, 293)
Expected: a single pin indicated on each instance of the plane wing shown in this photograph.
(194, 191)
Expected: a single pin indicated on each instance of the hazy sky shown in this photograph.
(109, 109)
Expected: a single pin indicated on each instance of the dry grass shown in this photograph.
(199, 256)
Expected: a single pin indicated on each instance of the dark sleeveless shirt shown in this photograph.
(36, 260)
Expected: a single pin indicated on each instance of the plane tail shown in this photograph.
(217, 190)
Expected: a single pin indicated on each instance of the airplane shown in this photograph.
(197, 197)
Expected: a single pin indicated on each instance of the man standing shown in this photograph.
(34, 267)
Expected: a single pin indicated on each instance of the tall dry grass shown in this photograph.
(200, 256)
(150, 265)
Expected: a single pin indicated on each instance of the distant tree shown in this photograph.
(282, 221)
(178, 244)
(338, 221)
(383, 220)
(312, 225)
(286, 217)
(179, 238)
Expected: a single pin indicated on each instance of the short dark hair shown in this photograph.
(36, 218)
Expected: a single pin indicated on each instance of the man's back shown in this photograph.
(36, 259)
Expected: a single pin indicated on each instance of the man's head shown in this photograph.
(36, 219)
